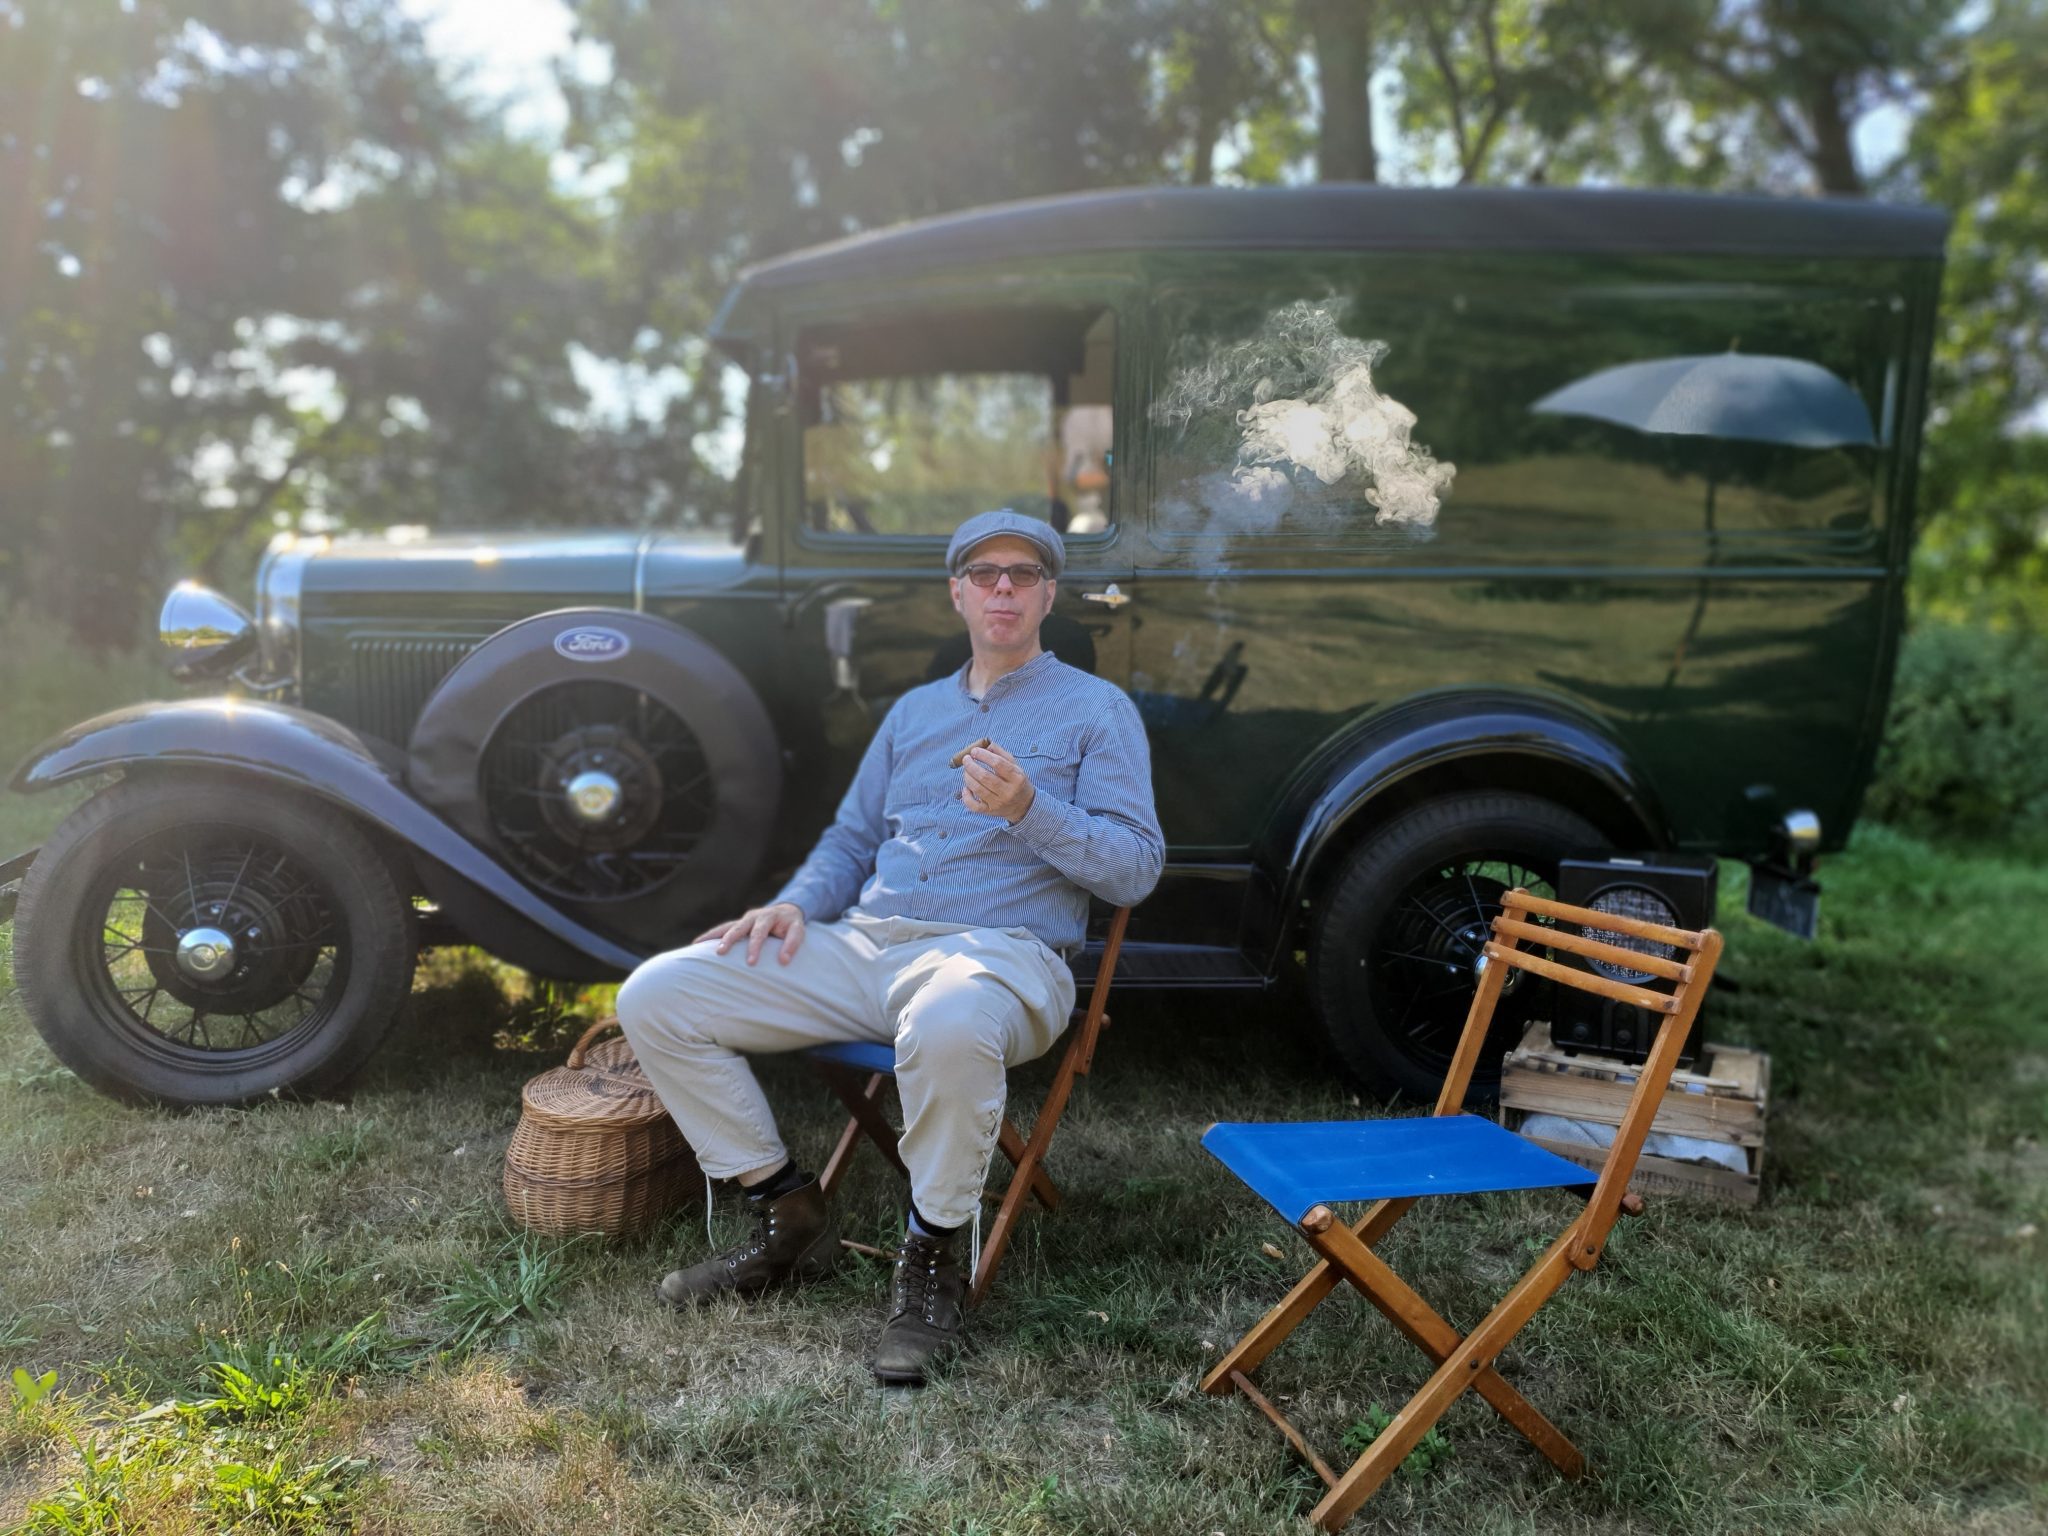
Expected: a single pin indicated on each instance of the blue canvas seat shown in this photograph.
(856, 1070)
(1296, 1167)
(1303, 1169)
(860, 1055)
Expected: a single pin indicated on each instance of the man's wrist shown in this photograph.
(1027, 807)
(1039, 822)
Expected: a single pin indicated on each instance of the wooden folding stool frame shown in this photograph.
(861, 1094)
(1467, 1361)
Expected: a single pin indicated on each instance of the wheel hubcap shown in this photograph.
(594, 796)
(1475, 937)
(205, 954)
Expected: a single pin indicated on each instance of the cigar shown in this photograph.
(961, 756)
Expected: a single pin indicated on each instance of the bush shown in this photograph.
(1966, 745)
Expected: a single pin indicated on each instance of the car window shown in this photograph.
(911, 425)
(1408, 415)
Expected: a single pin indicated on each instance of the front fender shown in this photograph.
(310, 753)
(1436, 731)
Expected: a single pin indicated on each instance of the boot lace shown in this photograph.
(764, 1229)
(917, 1276)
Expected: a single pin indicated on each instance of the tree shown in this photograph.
(1342, 36)
(1224, 64)
(263, 265)
(1512, 90)
(1981, 150)
(1782, 80)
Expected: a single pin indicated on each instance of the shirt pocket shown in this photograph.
(1051, 759)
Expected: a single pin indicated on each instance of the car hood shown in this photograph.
(602, 565)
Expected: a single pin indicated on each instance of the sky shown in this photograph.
(509, 46)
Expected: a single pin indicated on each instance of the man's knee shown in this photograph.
(955, 1022)
(660, 999)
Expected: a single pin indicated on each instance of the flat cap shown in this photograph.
(984, 526)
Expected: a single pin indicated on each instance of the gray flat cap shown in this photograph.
(987, 525)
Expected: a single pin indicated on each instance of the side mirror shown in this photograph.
(206, 634)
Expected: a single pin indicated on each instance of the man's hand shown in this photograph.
(782, 920)
(993, 784)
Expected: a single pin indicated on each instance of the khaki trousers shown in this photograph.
(961, 1004)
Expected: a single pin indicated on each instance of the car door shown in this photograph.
(903, 420)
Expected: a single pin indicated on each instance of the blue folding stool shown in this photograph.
(856, 1070)
(1302, 1169)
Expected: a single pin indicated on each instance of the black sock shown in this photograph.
(928, 1224)
(781, 1182)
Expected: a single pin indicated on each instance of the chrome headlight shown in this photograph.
(207, 635)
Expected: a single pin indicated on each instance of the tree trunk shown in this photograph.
(1202, 152)
(1342, 31)
(1833, 155)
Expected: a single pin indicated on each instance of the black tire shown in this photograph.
(323, 956)
(1391, 952)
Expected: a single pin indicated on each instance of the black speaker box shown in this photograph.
(1675, 889)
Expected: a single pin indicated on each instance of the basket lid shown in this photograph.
(602, 1086)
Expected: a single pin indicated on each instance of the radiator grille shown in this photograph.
(391, 676)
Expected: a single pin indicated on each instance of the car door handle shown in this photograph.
(1108, 595)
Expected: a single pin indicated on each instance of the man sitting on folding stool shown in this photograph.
(938, 911)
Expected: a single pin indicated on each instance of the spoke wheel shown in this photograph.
(196, 940)
(216, 940)
(1395, 949)
(596, 791)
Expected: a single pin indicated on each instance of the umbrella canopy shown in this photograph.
(1726, 394)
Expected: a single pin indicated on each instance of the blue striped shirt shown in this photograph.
(905, 845)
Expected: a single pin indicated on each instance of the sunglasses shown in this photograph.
(982, 574)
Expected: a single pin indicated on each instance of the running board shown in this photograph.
(1154, 967)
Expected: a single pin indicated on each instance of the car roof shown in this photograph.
(1351, 217)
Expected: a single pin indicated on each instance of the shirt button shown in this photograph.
(944, 835)
(924, 877)
(984, 709)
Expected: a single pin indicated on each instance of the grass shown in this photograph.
(316, 1317)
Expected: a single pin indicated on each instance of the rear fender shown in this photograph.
(1433, 737)
(317, 756)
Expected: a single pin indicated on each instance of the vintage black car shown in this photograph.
(1437, 533)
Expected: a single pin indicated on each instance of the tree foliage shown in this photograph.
(1981, 149)
(262, 264)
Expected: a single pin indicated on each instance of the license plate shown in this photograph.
(1785, 900)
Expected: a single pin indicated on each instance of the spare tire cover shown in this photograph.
(678, 671)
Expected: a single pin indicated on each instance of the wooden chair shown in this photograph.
(1301, 1169)
(856, 1071)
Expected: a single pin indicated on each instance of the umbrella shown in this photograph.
(1729, 395)
(1725, 394)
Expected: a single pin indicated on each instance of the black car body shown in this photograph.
(1403, 634)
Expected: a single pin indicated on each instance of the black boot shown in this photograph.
(925, 1299)
(795, 1238)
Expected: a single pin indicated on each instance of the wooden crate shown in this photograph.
(1724, 1098)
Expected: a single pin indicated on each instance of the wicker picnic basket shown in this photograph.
(595, 1151)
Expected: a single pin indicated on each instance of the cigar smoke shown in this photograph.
(1297, 429)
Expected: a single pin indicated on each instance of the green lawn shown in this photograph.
(315, 1316)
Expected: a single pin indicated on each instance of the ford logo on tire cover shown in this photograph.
(592, 644)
